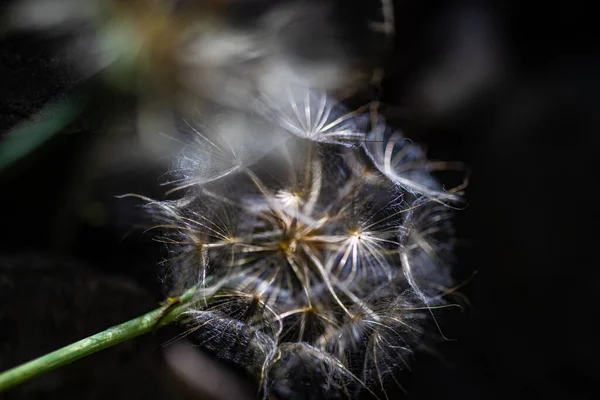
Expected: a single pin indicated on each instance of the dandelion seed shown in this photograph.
(427, 247)
(404, 163)
(223, 144)
(310, 114)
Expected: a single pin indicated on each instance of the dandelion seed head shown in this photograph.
(312, 253)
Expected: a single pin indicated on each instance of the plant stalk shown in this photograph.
(162, 316)
(30, 134)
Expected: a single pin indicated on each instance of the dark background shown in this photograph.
(71, 263)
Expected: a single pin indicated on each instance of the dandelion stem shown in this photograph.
(162, 316)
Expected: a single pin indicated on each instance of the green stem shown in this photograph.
(146, 323)
(29, 135)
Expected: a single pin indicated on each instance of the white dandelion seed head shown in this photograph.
(316, 256)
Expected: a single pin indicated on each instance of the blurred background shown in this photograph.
(508, 88)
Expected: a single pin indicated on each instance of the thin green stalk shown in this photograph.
(146, 323)
(30, 134)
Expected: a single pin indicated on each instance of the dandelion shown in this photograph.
(312, 265)
(303, 261)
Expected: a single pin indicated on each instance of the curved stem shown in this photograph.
(146, 323)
